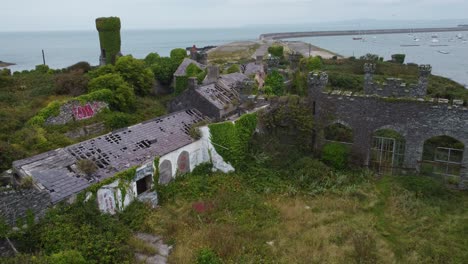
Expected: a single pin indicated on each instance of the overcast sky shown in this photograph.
(33, 15)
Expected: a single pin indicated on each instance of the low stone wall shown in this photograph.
(15, 204)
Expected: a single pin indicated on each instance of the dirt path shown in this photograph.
(156, 243)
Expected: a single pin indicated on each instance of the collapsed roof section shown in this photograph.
(56, 170)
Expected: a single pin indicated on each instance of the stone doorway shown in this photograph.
(143, 184)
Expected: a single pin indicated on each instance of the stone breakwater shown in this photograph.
(287, 35)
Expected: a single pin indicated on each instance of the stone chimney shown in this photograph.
(316, 82)
(212, 74)
(369, 70)
(192, 83)
(424, 73)
(194, 53)
(259, 60)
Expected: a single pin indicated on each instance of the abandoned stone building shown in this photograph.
(403, 109)
(56, 173)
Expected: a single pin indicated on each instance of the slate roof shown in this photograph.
(181, 70)
(56, 170)
(252, 68)
(222, 93)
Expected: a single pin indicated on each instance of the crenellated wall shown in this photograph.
(417, 120)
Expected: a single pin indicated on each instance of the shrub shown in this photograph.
(276, 81)
(192, 70)
(312, 63)
(67, 257)
(335, 155)
(102, 70)
(398, 58)
(276, 50)
(207, 256)
(181, 84)
(308, 173)
(233, 68)
(109, 81)
(42, 68)
(164, 69)
(151, 58)
(73, 83)
(26, 182)
(80, 67)
(116, 120)
(124, 98)
(136, 73)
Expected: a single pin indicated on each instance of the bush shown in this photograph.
(276, 81)
(181, 84)
(102, 70)
(233, 68)
(86, 166)
(151, 58)
(335, 155)
(80, 67)
(207, 256)
(136, 73)
(276, 51)
(164, 70)
(312, 63)
(67, 257)
(399, 58)
(178, 55)
(192, 70)
(109, 81)
(116, 120)
(42, 68)
(73, 83)
(308, 173)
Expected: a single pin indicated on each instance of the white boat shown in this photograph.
(460, 36)
(416, 39)
(443, 52)
(435, 40)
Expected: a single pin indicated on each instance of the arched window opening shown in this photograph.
(339, 133)
(165, 172)
(387, 151)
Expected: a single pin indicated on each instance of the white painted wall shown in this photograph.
(109, 197)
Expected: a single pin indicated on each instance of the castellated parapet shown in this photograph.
(394, 87)
(317, 81)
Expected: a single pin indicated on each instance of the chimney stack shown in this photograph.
(192, 83)
(212, 74)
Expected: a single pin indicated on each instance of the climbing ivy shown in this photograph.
(109, 36)
(156, 170)
(181, 84)
(231, 140)
(123, 176)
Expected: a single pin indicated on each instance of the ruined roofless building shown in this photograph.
(385, 107)
(109, 39)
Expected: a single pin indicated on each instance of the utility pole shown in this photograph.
(43, 57)
(310, 47)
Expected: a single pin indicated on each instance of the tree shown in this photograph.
(136, 73)
(399, 58)
(124, 98)
(152, 58)
(109, 68)
(314, 63)
(164, 69)
(178, 55)
(276, 81)
(109, 81)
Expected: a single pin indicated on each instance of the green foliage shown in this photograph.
(42, 68)
(276, 51)
(109, 81)
(231, 140)
(116, 120)
(133, 216)
(79, 67)
(109, 37)
(423, 187)
(399, 58)
(201, 76)
(52, 109)
(67, 257)
(312, 63)
(233, 69)
(192, 70)
(103, 95)
(136, 74)
(124, 99)
(164, 69)
(299, 85)
(335, 155)
(178, 55)
(276, 81)
(181, 84)
(102, 70)
(207, 256)
(152, 58)
(346, 81)
(73, 83)
(86, 166)
(339, 132)
(369, 57)
(125, 176)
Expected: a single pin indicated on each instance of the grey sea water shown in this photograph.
(65, 48)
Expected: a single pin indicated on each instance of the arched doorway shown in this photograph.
(165, 172)
(339, 133)
(387, 151)
(183, 162)
(443, 157)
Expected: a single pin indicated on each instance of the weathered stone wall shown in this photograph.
(73, 110)
(15, 204)
(416, 120)
(191, 99)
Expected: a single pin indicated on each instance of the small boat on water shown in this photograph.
(443, 52)
(357, 38)
(460, 36)
(410, 45)
(435, 40)
(416, 39)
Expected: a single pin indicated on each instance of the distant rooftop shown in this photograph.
(56, 170)
(182, 69)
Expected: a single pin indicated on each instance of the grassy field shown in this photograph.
(390, 220)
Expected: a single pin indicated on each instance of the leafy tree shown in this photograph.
(164, 69)
(276, 50)
(81, 67)
(233, 68)
(399, 58)
(102, 70)
(370, 57)
(136, 73)
(152, 58)
(276, 81)
(109, 81)
(124, 98)
(178, 55)
(42, 68)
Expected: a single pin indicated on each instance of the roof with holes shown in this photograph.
(222, 93)
(56, 171)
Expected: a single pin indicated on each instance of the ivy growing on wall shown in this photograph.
(125, 176)
(109, 36)
(231, 140)
(156, 170)
(181, 84)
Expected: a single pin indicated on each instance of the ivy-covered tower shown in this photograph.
(109, 38)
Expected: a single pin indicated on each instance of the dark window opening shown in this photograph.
(143, 184)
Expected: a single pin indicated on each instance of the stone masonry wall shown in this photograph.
(15, 204)
(416, 120)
